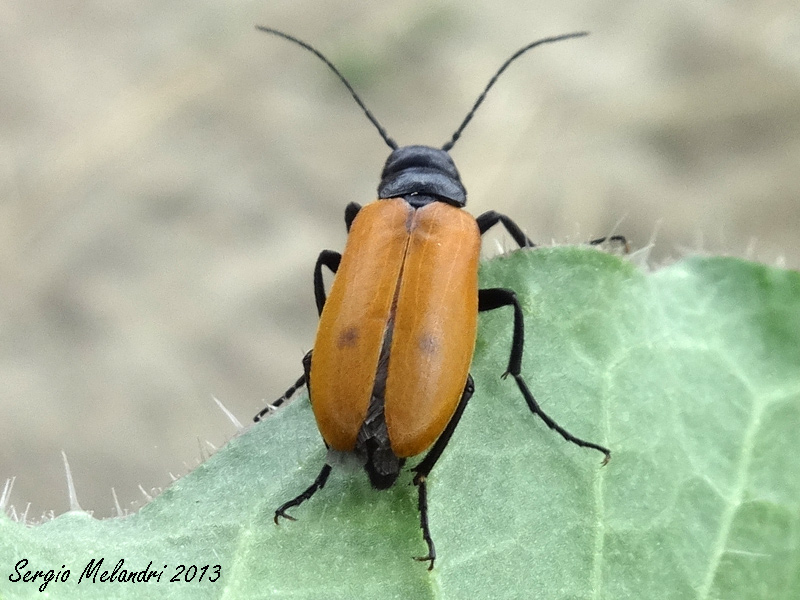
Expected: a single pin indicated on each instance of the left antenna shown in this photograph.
(389, 141)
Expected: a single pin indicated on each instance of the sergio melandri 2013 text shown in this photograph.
(94, 573)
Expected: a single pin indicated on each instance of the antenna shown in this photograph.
(389, 141)
(499, 72)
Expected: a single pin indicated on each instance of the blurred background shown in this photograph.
(168, 176)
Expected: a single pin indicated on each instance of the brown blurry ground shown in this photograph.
(168, 176)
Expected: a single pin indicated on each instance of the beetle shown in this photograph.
(388, 376)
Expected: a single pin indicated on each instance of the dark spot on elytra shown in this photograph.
(428, 344)
(347, 337)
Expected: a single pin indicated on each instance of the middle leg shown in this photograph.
(490, 299)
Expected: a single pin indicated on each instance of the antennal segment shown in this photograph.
(389, 141)
(494, 78)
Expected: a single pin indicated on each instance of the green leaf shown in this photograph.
(691, 375)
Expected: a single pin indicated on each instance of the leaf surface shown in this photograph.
(691, 375)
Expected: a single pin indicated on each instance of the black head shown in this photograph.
(422, 171)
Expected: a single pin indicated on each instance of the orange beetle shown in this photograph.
(388, 377)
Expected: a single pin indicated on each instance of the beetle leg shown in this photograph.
(492, 298)
(350, 212)
(621, 239)
(422, 506)
(318, 484)
(330, 259)
(301, 381)
(423, 469)
(491, 218)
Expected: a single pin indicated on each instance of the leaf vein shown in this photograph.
(735, 500)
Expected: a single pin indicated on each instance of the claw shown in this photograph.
(285, 515)
(424, 558)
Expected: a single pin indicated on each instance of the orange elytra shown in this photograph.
(388, 377)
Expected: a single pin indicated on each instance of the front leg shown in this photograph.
(330, 259)
(350, 212)
(620, 239)
(491, 218)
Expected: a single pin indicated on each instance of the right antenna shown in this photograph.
(494, 78)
